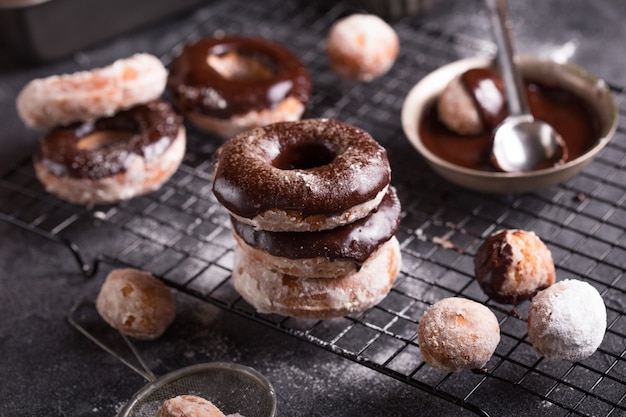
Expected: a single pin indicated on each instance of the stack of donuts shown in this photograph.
(108, 136)
(313, 215)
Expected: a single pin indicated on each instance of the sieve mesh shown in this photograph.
(231, 387)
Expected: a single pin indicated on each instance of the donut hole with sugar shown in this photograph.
(567, 321)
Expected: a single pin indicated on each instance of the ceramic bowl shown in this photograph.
(566, 76)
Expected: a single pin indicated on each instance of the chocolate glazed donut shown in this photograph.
(327, 253)
(112, 158)
(355, 241)
(211, 93)
(309, 175)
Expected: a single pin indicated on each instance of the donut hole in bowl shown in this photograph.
(305, 156)
(459, 165)
(102, 139)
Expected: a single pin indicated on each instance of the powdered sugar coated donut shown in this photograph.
(361, 47)
(567, 321)
(85, 95)
(269, 291)
(456, 333)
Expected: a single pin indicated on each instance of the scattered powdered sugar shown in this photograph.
(567, 321)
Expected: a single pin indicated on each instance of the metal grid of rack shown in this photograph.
(181, 234)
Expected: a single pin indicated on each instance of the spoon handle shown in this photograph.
(513, 86)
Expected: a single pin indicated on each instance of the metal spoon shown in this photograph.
(520, 142)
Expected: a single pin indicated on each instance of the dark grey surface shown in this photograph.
(42, 31)
(49, 369)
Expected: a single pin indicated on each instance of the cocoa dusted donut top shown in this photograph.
(198, 87)
(312, 166)
(355, 241)
(146, 130)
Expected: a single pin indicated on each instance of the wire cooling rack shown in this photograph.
(181, 234)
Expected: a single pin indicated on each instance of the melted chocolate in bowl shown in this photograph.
(571, 116)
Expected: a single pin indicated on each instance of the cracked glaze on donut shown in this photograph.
(198, 87)
(314, 166)
(152, 128)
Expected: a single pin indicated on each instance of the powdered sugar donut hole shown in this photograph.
(189, 405)
(361, 47)
(567, 321)
(456, 333)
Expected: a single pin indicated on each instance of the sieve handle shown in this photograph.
(145, 372)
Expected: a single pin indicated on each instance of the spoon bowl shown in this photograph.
(522, 143)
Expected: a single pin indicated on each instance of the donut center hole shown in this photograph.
(103, 139)
(303, 157)
(235, 66)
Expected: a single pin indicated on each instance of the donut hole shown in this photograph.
(305, 156)
(237, 66)
(102, 139)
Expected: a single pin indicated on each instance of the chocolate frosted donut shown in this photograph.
(113, 158)
(309, 175)
(327, 253)
(227, 85)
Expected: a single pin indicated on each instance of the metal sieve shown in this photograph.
(233, 388)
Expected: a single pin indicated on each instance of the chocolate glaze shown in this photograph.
(272, 168)
(152, 128)
(569, 114)
(199, 88)
(491, 263)
(487, 92)
(355, 241)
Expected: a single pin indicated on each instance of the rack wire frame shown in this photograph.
(182, 235)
